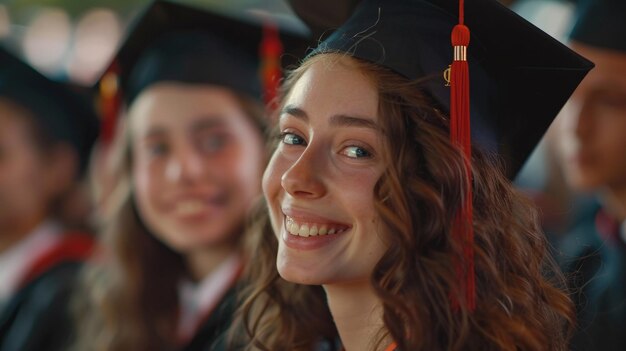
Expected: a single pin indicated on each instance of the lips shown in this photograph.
(193, 206)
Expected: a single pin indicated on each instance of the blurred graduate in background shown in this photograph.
(187, 168)
(591, 134)
(46, 133)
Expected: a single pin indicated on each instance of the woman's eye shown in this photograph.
(158, 149)
(292, 139)
(356, 152)
(212, 143)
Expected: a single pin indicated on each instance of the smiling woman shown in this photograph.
(366, 191)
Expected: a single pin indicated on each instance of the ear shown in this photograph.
(62, 167)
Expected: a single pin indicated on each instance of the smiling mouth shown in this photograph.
(195, 206)
(307, 229)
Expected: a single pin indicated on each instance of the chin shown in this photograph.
(298, 274)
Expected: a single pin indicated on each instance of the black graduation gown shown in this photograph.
(37, 317)
(593, 257)
(211, 334)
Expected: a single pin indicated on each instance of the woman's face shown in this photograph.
(24, 190)
(592, 125)
(197, 162)
(320, 181)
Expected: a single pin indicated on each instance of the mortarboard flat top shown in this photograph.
(601, 23)
(520, 77)
(60, 110)
(171, 41)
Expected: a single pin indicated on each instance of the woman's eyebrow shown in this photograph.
(295, 112)
(208, 122)
(339, 120)
(353, 121)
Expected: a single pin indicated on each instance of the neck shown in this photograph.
(358, 315)
(614, 200)
(12, 232)
(203, 262)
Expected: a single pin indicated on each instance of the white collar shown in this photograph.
(197, 300)
(16, 261)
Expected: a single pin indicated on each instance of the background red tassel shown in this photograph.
(271, 48)
(110, 103)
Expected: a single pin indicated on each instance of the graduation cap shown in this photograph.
(175, 42)
(60, 109)
(601, 23)
(323, 15)
(520, 76)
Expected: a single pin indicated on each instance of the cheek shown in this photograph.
(611, 135)
(247, 167)
(272, 176)
(358, 192)
(144, 184)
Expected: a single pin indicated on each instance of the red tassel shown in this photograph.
(271, 73)
(462, 228)
(110, 103)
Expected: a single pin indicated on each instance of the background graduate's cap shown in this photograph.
(520, 79)
(63, 111)
(601, 23)
(171, 41)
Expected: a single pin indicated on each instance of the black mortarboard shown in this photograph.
(323, 15)
(176, 42)
(61, 110)
(520, 76)
(601, 23)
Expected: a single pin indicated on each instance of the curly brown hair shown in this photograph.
(128, 298)
(520, 300)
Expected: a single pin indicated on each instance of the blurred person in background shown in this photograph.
(46, 133)
(188, 167)
(591, 134)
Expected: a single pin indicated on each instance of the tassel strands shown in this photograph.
(110, 103)
(271, 49)
(462, 229)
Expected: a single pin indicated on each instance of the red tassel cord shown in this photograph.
(462, 228)
(270, 51)
(110, 103)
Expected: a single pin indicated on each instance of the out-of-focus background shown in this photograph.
(75, 39)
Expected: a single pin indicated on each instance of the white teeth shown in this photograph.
(308, 229)
(189, 207)
(304, 231)
(293, 228)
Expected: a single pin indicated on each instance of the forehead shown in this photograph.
(610, 70)
(333, 85)
(177, 105)
(14, 116)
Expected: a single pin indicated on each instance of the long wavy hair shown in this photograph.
(520, 300)
(128, 297)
